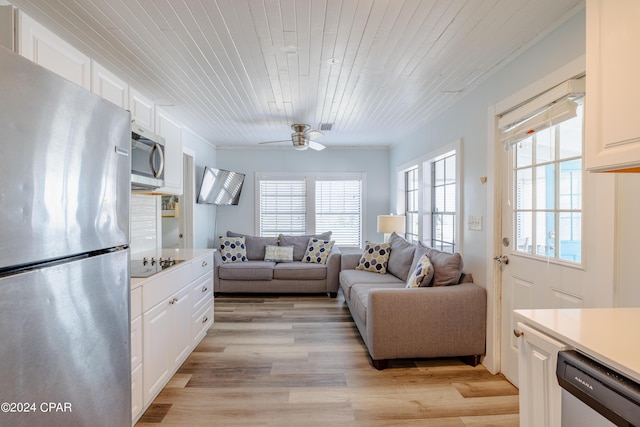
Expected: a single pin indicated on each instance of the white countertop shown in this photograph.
(183, 254)
(609, 335)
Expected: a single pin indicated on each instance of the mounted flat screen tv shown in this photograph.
(220, 187)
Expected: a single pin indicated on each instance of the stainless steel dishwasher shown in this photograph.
(595, 395)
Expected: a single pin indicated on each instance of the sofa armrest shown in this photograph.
(217, 262)
(426, 322)
(334, 261)
(350, 261)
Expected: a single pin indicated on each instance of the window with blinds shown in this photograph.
(312, 204)
(545, 138)
(443, 203)
(339, 210)
(283, 207)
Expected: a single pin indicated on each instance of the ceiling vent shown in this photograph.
(325, 127)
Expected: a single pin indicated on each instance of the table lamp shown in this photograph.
(387, 224)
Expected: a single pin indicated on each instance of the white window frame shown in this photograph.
(423, 163)
(310, 178)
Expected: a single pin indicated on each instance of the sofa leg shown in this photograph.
(471, 360)
(380, 364)
(333, 294)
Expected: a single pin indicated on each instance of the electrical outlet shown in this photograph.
(474, 222)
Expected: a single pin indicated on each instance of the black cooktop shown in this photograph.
(146, 267)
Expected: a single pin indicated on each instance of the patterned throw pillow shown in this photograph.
(278, 253)
(375, 257)
(233, 249)
(422, 275)
(318, 251)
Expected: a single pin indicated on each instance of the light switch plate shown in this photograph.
(474, 222)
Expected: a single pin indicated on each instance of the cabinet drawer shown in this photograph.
(165, 285)
(136, 302)
(201, 290)
(202, 321)
(201, 266)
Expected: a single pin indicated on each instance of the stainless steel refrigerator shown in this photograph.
(64, 252)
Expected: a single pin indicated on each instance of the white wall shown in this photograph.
(373, 162)
(203, 215)
(467, 119)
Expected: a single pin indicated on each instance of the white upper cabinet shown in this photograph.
(109, 86)
(142, 110)
(612, 137)
(171, 131)
(43, 47)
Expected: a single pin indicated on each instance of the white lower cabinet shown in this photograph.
(137, 399)
(176, 311)
(165, 346)
(540, 393)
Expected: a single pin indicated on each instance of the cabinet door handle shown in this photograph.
(205, 289)
(518, 333)
(205, 319)
(204, 263)
(173, 301)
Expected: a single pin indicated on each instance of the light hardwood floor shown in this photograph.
(299, 361)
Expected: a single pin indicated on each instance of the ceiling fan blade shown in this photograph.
(273, 142)
(316, 146)
(313, 134)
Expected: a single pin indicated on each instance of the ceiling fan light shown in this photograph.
(300, 147)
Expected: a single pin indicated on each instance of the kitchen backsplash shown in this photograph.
(144, 222)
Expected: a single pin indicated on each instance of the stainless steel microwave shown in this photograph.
(147, 159)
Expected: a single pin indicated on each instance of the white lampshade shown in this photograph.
(387, 224)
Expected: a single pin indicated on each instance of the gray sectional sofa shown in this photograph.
(446, 317)
(255, 275)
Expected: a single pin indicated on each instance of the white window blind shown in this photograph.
(542, 112)
(282, 207)
(339, 210)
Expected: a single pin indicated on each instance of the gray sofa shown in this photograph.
(255, 275)
(396, 322)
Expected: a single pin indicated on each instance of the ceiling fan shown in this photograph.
(303, 138)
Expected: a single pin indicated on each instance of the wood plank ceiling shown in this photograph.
(238, 72)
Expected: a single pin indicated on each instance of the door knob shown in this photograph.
(502, 259)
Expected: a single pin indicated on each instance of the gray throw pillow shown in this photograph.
(447, 267)
(255, 245)
(401, 257)
(300, 243)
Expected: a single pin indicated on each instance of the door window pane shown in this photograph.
(548, 192)
(571, 184)
(524, 150)
(524, 189)
(545, 187)
(545, 146)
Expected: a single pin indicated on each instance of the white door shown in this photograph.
(542, 228)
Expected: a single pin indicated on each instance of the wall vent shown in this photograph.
(324, 127)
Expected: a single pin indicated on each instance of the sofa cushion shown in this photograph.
(348, 278)
(249, 270)
(233, 249)
(277, 253)
(300, 243)
(447, 267)
(375, 257)
(422, 275)
(317, 251)
(400, 257)
(255, 246)
(298, 270)
(360, 297)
